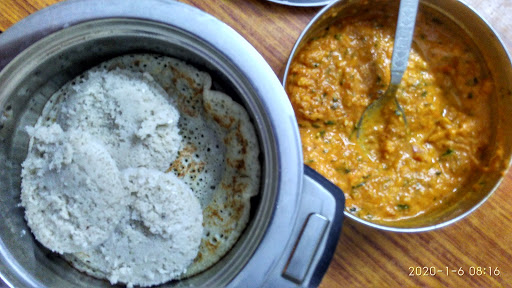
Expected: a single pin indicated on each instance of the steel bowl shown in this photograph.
(468, 23)
(296, 219)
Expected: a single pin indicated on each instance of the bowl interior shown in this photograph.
(30, 79)
(486, 45)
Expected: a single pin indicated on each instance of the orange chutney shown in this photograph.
(445, 93)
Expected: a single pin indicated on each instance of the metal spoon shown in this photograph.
(373, 115)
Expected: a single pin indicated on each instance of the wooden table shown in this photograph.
(366, 257)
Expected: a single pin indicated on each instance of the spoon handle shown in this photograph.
(403, 39)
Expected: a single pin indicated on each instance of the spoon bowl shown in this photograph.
(375, 114)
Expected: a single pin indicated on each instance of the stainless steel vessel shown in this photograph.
(296, 220)
(468, 23)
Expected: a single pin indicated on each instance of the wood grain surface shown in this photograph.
(366, 257)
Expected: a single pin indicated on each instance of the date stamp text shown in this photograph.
(458, 271)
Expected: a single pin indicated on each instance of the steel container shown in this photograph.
(296, 219)
(469, 24)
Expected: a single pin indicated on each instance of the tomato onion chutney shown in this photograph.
(445, 93)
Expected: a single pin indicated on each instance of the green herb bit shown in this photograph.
(359, 185)
(315, 125)
(310, 161)
(398, 113)
(402, 207)
(329, 122)
(344, 170)
(316, 64)
(424, 94)
(379, 79)
(448, 152)
(470, 95)
(337, 36)
(352, 209)
(322, 133)
(438, 173)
